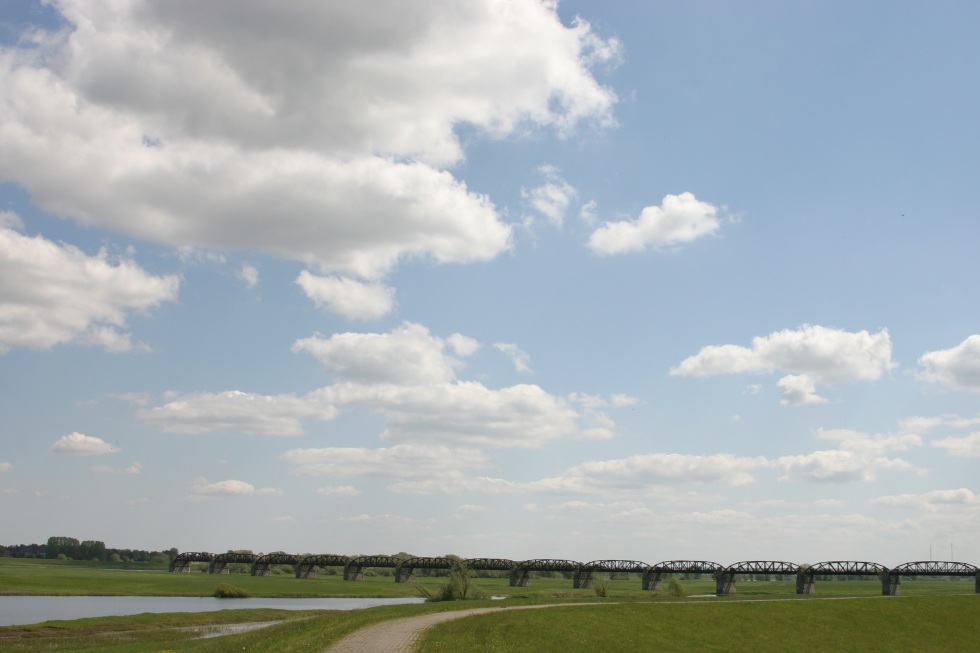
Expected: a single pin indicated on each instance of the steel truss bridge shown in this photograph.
(583, 573)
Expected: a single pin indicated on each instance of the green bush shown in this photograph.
(674, 587)
(227, 591)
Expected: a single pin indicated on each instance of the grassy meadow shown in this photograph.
(931, 614)
(865, 625)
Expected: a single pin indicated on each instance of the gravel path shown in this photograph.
(401, 635)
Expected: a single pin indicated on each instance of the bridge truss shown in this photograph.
(262, 566)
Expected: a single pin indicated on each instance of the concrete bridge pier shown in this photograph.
(891, 584)
(584, 580)
(724, 584)
(653, 581)
(805, 584)
(353, 573)
(306, 571)
(404, 575)
(520, 579)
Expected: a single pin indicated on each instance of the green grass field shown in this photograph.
(865, 625)
(931, 615)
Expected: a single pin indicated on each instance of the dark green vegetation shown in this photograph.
(226, 591)
(923, 623)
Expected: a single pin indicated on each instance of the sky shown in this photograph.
(686, 279)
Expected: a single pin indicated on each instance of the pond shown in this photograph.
(22, 610)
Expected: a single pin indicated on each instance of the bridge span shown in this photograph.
(583, 574)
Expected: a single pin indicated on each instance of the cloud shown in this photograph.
(961, 447)
(347, 297)
(811, 353)
(406, 355)
(319, 133)
(587, 212)
(52, 294)
(680, 219)
(398, 461)
(203, 490)
(10, 220)
(858, 457)
(552, 198)
(79, 444)
(957, 368)
(932, 501)
(5, 467)
(798, 389)
(517, 356)
(822, 353)
(236, 411)
(468, 511)
(338, 491)
(455, 483)
(135, 468)
(644, 470)
(249, 274)
(463, 345)
(404, 375)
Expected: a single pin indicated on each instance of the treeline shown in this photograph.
(70, 548)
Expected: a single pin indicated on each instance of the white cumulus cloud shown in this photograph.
(348, 297)
(798, 389)
(931, 501)
(811, 354)
(680, 219)
(318, 132)
(967, 446)
(204, 490)
(957, 368)
(79, 444)
(552, 198)
(237, 412)
(858, 457)
(55, 293)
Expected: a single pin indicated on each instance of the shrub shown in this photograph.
(601, 588)
(226, 591)
(674, 587)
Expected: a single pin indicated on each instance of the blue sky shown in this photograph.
(590, 280)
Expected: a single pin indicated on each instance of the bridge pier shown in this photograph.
(404, 575)
(584, 580)
(353, 573)
(182, 567)
(891, 584)
(653, 581)
(805, 584)
(976, 587)
(724, 584)
(305, 571)
(520, 578)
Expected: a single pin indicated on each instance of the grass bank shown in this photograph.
(866, 625)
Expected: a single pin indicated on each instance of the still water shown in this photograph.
(20, 610)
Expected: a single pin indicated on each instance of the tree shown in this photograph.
(59, 545)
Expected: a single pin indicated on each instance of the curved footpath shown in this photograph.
(401, 635)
